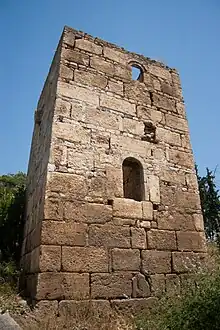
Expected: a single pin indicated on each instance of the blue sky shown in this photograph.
(183, 34)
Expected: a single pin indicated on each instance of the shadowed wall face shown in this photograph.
(113, 210)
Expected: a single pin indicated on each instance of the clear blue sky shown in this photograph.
(183, 34)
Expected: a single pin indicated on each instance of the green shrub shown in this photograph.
(196, 308)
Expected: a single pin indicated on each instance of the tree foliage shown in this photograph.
(210, 203)
(12, 205)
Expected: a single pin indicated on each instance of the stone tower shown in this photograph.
(113, 210)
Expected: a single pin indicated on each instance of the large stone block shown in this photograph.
(160, 72)
(62, 286)
(175, 220)
(156, 261)
(172, 284)
(102, 65)
(137, 91)
(49, 258)
(126, 259)
(141, 286)
(149, 114)
(90, 78)
(127, 208)
(176, 122)
(88, 46)
(73, 132)
(120, 105)
(84, 259)
(134, 306)
(166, 136)
(188, 261)
(161, 239)
(164, 102)
(75, 56)
(63, 233)
(181, 158)
(191, 241)
(138, 238)
(158, 285)
(114, 285)
(153, 187)
(147, 210)
(115, 55)
(109, 236)
(76, 92)
(71, 186)
(114, 182)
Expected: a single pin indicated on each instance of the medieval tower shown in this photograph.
(113, 209)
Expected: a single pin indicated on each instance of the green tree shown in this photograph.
(12, 205)
(210, 203)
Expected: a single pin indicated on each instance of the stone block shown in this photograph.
(156, 261)
(115, 55)
(147, 210)
(173, 176)
(55, 285)
(109, 236)
(116, 87)
(166, 136)
(175, 220)
(75, 56)
(78, 309)
(84, 259)
(71, 186)
(88, 46)
(89, 78)
(73, 132)
(164, 102)
(120, 105)
(188, 261)
(49, 258)
(63, 233)
(132, 126)
(167, 88)
(191, 241)
(138, 238)
(128, 146)
(180, 108)
(114, 182)
(181, 158)
(53, 209)
(122, 72)
(125, 259)
(198, 221)
(153, 186)
(149, 114)
(114, 285)
(172, 284)
(160, 72)
(127, 208)
(73, 91)
(135, 306)
(137, 92)
(141, 286)
(144, 224)
(101, 65)
(161, 239)
(176, 122)
(158, 286)
(66, 72)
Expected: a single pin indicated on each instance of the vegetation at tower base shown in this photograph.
(12, 204)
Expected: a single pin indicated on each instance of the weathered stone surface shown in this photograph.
(137, 91)
(181, 158)
(89, 78)
(73, 91)
(147, 209)
(72, 132)
(114, 285)
(164, 102)
(191, 241)
(70, 185)
(175, 220)
(160, 72)
(133, 306)
(61, 233)
(115, 55)
(116, 104)
(147, 113)
(138, 238)
(161, 239)
(126, 259)
(75, 56)
(115, 87)
(166, 136)
(88, 46)
(153, 186)
(49, 258)
(84, 259)
(141, 286)
(172, 284)
(62, 286)
(109, 236)
(176, 122)
(78, 309)
(102, 65)
(187, 261)
(127, 208)
(156, 261)
(198, 221)
(158, 284)
(66, 72)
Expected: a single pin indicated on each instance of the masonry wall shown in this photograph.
(94, 244)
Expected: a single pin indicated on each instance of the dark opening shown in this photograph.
(137, 73)
(149, 132)
(133, 179)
